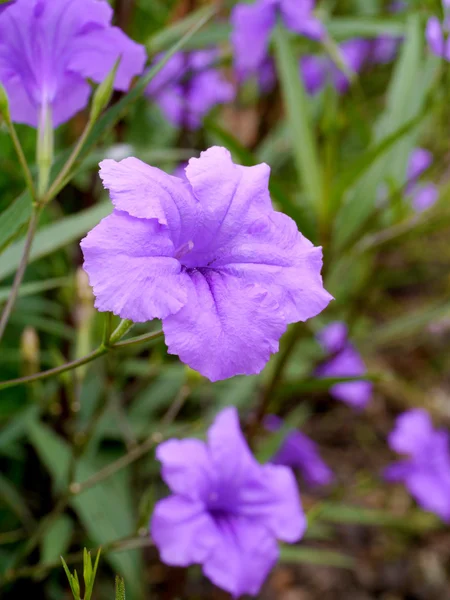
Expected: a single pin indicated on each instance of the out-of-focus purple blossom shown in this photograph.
(298, 451)
(253, 23)
(421, 196)
(209, 256)
(49, 48)
(317, 71)
(227, 511)
(384, 49)
(345, 361)
(426, 471)
(437, 35)
(189, 86)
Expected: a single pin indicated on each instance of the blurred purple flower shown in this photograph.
(384, 49)
(344, 362)
(48, 48)
(426, 473)
(253, 23)
(209, 256)
(227, 511)
(421, 196)
(189, 86)
(298, 451)
(317, 71)
(437, 35)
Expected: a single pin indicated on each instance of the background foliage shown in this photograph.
(387, 267)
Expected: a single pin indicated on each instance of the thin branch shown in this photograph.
(100, 351)
(20, 271)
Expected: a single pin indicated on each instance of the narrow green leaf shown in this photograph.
(54, 236)
(74, 585)
(36, 287)
(304, 147)
(14, 219)
(315, 556)
(57, 540)
(348, 27)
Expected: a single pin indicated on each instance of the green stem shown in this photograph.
(22, 159)
(20, 271)
(63, 176)
(100, 351)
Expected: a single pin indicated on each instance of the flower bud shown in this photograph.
(103, 93)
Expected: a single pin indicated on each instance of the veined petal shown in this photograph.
(183, 531)
(228, 194)
(272, 253)
(226, 328)
(148, 193)
(132, 270)
(243, 558)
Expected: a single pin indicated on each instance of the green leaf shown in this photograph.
(348, 27)
(57, 539)
(14, 219)
(105, 520)
(53, 237)
(73, 580)
(315, 556)
(13, 498)
(410, 85)
(36, 287)
(306, 156)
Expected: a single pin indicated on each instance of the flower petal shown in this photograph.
(271, 497)
(252, 25)
(298, 17)
(93, 56)
(149, 193)
(424, 196)
(186, 467)
(272, 253)
(226, 193)
(226, 328)
(333, 337)
(431, 491)
(132, 270)
(413, 430)
(435, 36)
(243, 558)
(183, 532)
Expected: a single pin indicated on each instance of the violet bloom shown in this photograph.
(48, 48)
(437, 33)
(209, 256)
(421, 196)
(253, 23)
(189, 86)
(298, 451)
(227, 511)
(345, 361)
(426, 471)
(317, 71)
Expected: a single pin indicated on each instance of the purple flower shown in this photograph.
(317, 71)
(437, 36)
(189, 86)
(253, 23)
(421, 196)
(384, 49)
(344, 362)
(209, 256)
(227, 510)
(298, 451)
(48, 48)
(426, 471)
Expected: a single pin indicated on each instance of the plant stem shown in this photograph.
(61, 179)
(100, 351)
(20, 271)
(22, 159)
